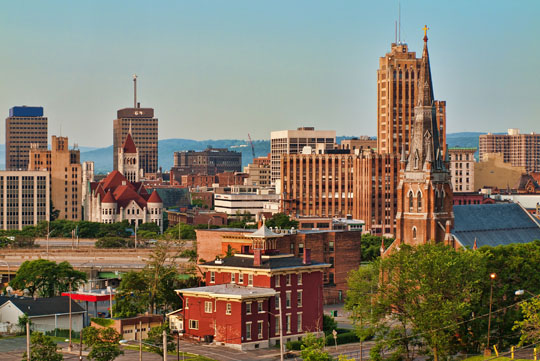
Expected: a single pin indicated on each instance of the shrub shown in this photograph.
(294, 345)
(105, 322)
(342, 338)
(111, 242)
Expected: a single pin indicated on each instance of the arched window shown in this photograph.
(414, 232)
(411, 204)
(419, 202)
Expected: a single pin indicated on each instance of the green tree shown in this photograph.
(103, 343)
(313, 349)
(529, 327)
(155, 338)
(132, 295)
(47, 278)
(43, 348)
(281, 220)
(329, 324)
(149, 226)
(424, 294)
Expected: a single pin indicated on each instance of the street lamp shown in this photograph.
(522, 292)
(492, 276)
(280, 315)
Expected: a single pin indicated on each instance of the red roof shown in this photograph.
(129, 145)
(109, 198)
(154, 198)
(124, 194)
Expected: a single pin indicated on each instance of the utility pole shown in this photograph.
(48, 238)
(164, 345)
(487, 351)
(280, 330)
(70, 323)
(80, 343)
(140, 340)
(178, 346)
(28, 340)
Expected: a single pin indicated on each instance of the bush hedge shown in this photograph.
(344, 336)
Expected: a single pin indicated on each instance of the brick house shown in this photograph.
(339, 248)
(239, 307)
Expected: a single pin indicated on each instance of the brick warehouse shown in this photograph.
(326, 246)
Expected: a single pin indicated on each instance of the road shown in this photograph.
(219, 353)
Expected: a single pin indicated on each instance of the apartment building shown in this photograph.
(520, 150)
(462, 169)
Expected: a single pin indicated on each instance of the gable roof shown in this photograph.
(43, 306)
(129, 145)
(494, 225)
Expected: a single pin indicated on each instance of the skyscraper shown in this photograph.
(424, 193)
(25, 126)
(144, 131)
(64, 167)
(397, 79)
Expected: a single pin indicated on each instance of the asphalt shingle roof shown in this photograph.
(43, 306)
(494, 225)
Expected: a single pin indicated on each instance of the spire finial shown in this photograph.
(134, 90)
(425, 28)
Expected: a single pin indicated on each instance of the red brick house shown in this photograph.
(239, 307)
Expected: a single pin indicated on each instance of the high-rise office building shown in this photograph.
(520, 150)
(397, 82)
(24, 198)
(25, 126)
(293, 141)
(144, 131)
(64, 167)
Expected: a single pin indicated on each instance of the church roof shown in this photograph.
(494, 225)
(129, 145)
(154, 198)
(124, 194)
(109, 198)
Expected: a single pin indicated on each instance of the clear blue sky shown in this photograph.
(221, 69)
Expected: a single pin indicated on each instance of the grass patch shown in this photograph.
(492, 358)
(105, 322)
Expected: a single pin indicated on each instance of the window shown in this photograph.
(228, 309)
(194, 324)
(288, 323)
(331, 260)
(277, 325)
(240, 278)
(292, 248)
(212, 277)
(276, 280)
(331, 278)
(331, 246)
(411, 202)
(276, 301)
(208, 306)
(299, 278)
(260, 307)
(248, 330)
(300, 248)
(187, 304)
(288, 299)
(419, 202)
(299, 298)
(414, 233)
(289, 279)
(248, 308)
(260, 329)
(299, 322)
(250, 279)
(233, 277)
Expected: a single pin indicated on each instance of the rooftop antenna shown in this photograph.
(399, 21)
(134, 90)
(395, 31)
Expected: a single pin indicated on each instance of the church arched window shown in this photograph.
(414, 232)
(411, 202)
(419, 201)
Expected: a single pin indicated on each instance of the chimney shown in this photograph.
(307, 256)
(257, 257)
(260, 223)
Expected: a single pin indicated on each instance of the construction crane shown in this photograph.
(252, 147)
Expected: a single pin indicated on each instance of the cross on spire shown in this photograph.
(425, 28)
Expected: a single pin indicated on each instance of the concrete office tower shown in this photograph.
(397, 81)
(293, 141)
(520, 150)
(87, 177)
(24, 198)
(64, 167)
(24, 126)
(144, 131)
(462, 169)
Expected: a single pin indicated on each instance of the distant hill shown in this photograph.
(103, 159)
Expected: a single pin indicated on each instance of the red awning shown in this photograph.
(90, 297)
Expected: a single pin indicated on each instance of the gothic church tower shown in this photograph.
(424, 210)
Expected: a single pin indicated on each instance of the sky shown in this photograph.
(224, 68)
